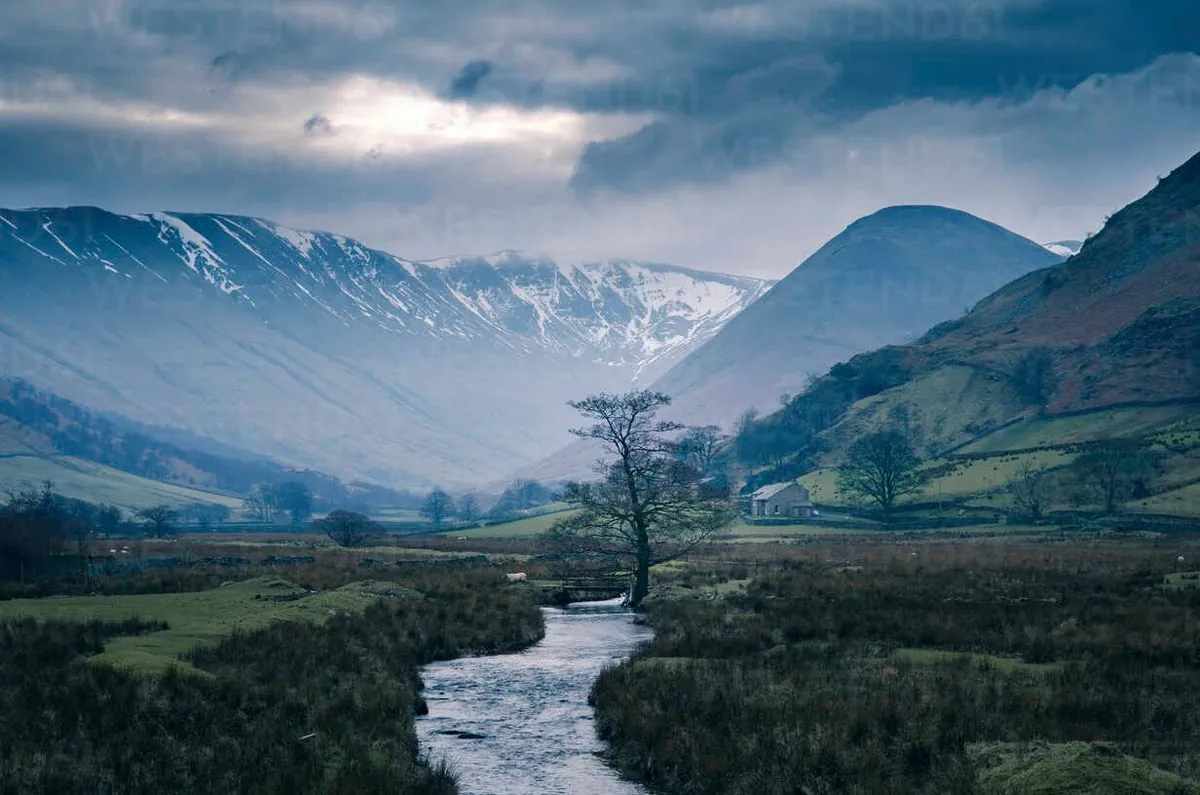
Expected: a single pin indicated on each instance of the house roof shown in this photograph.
(767, 492)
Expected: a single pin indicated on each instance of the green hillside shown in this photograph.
(87, 480)
(1099, 352)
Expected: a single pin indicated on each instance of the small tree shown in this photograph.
(1118, 470)
(262, 503)
(468, 507)
(521, 495)
(34, 525)
(295, 498)
(108, 519)
(347, 528)
(1035, 379)
(159, 520)
(438, 506)
(648, 507)
(881, 468)
(699, 447)
(1032, 491)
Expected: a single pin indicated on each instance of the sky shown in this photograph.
(722, 135)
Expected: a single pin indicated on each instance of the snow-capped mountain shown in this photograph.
(1064, 248)
(317, 349)
(635, 314)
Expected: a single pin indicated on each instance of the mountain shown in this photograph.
(885, 279)
(42, 432)
(30, 454)
(1064, 248)
(315, 350)
(1105, 345)
(1120, 320)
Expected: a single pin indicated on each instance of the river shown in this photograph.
(520, 723)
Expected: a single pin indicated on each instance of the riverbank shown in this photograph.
(298, 706)
(918, 667)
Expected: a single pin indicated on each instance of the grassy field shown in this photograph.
(1182, 579)
(1006, 664)
(405, 515)
(197, 619)
(75, 477)
(970, 477)
(744, 532)
(1180, 502)
(822, 486)
(1108, 424)
(990, 474)
(522, 528)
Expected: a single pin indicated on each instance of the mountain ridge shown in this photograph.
(1104, 345)
(211, 323)
(885, 279)
(902, 267)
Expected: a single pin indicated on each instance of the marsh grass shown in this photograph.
(294, 706)
(873, 669)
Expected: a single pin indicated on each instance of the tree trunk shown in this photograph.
(641, 579)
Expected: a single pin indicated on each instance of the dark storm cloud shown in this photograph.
(466, 82)
(717, 90)
(883, 54)
(118, 167)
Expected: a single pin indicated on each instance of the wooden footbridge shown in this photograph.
(595, 586)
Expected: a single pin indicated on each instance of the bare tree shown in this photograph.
(648, 507)
(295, 498)
(881, 468)
(438, 506)
(34, 525)
(159, 520)
(347, 528)
(1032, 491)
(108, 519)
(1118, 470)
(262, 503)
(699, 447)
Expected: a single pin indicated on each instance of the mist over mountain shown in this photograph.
(884, 280)
(316, 350)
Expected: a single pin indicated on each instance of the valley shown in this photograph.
(936, 552)
(690, 398)
(207, 323)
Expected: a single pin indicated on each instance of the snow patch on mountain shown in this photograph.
(1064, 248)
(318, 349)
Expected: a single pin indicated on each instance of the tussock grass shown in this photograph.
(1076, 768)
(877, 667)
(295, 706)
